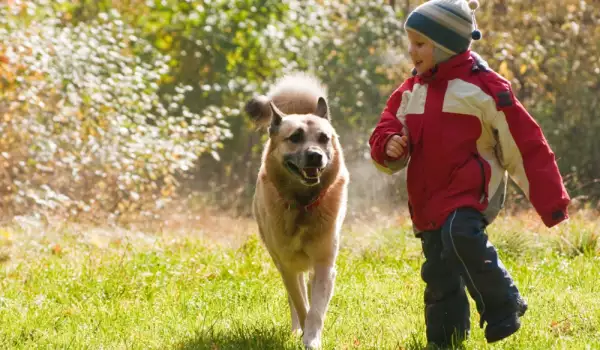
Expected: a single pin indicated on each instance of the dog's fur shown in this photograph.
(301, 194)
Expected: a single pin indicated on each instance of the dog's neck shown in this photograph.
(309, 198)
(300, 196)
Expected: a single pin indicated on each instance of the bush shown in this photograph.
(85, 130)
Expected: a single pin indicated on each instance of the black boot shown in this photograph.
(507, 326)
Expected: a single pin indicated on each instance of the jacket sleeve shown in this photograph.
(524, 152)
(388, 126)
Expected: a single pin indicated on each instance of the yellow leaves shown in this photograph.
(116, 242)
(103, 123)
(139, 163)
(57, 249)
(332, 54)
(523, 69)
(165, 42)
(505, 71)
(5, 237)
(571, 8)
(563, 327)
(234, 58)
(67, 16)
(166, 191)
(355, 344)
(550, 96)
(8, 76)
(88, 128)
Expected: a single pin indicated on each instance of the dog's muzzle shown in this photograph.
(308, 166)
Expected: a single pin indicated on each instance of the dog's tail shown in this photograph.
(295, 93)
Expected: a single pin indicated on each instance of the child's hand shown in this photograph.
(395, 146)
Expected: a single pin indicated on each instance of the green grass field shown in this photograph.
(85, 288)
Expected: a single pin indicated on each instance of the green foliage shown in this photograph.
(85, 129)
(230, 50)
(199, 61)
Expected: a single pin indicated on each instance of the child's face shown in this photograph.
(421, 51)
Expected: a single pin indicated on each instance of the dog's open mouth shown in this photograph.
(308, 175)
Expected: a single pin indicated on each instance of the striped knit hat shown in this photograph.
(450, 24)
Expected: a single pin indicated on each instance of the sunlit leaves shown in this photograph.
(90, 128)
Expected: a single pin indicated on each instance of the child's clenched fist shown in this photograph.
(395, 146)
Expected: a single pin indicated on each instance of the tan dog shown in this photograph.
(301, 194)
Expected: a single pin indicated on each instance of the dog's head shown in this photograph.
(303, 143)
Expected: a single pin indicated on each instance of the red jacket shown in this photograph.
(466, 131)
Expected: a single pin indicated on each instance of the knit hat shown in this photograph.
(450, 24)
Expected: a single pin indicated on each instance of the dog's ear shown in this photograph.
(276, 118)
(322, 108)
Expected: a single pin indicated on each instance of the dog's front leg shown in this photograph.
(321, 292)
(296, 289)
(296, 326)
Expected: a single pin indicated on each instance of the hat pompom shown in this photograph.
(476, 34)
(473, 4)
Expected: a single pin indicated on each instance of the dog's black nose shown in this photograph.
(314, 158)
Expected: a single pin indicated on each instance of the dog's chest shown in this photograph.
(299, 230)
(298, 238)
(292, 244)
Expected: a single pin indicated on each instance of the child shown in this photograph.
(459, 129)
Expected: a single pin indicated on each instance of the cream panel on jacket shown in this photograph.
(496, 144)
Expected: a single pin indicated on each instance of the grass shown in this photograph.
(80, 288)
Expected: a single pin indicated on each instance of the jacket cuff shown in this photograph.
(556, 217)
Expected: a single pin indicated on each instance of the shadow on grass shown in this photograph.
(267, 338)
(242, 338)
(416, 342)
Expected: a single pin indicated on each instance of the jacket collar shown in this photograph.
(456, 66)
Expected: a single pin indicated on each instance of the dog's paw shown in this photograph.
(312, 344)
(297, 332)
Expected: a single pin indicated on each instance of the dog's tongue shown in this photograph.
(311, 172)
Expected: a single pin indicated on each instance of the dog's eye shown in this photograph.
(296, 137)
(323, 138)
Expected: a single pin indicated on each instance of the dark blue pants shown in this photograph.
(458, 255)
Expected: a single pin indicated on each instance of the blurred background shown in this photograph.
(126, 111)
